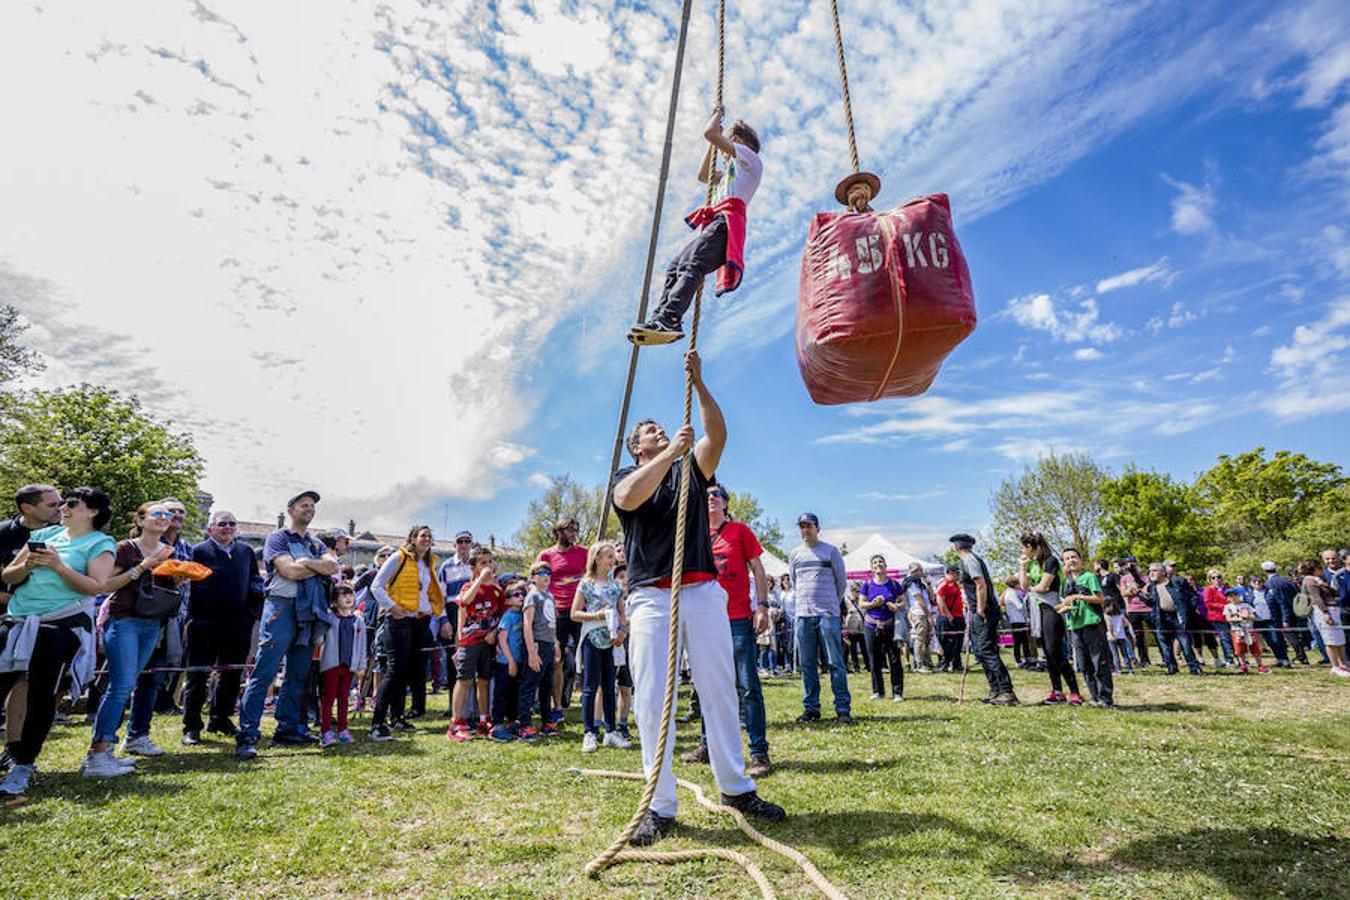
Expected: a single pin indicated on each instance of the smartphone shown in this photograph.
(36, 545)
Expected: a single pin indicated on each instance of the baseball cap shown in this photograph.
(463, 534)
(1269, 566)
(808, 519)
(313, 495)
(1169, 562)
(336, 533)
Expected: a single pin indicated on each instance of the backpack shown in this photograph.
(1302, 605)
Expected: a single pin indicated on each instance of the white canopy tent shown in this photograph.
(773, 566)
(858, 563)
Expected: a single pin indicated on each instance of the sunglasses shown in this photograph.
(544, 572)
(717, 494)
(159, 514)
(227, 524)
(463, 540)
(71, 502)
(515, 593)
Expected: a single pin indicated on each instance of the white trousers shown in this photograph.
(705, 634)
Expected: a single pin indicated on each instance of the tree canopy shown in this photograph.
(563, 496)
(1058, 496)
(94, 436)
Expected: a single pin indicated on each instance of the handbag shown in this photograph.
(154, 601)
(1302, 605)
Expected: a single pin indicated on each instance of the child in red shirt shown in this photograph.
(480, 604)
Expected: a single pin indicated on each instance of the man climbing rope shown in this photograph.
(719, 242)
(646, 498)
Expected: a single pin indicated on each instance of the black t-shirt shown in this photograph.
(1052, 568)
(13, 536)
(1115, 600)
(649, 530)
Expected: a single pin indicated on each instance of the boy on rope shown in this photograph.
(719, 242)
(646, 498)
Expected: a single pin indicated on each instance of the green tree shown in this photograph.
(94, 436)
(1251, 500)
(744, 507)
(15, 359)
(1058, 496)
(1327, 525)
(563, 496)
(1154, 517)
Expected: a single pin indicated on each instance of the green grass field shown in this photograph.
(1225, 786)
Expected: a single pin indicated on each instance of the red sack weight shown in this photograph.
(884, 297)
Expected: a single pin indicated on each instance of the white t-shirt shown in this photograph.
(918, 601)
(741, 176)
(1015, 605)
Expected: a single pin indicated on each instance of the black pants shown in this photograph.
(705, 253)
(951, 632)
(1141, 625)
(55, 646)
(984, 647)
(214, 643)
(882, 648)
(1054, 638)
(1094, 652)
(1021, 635)
(853, 648)
(569, 633)
(423, 642)
(394, 686)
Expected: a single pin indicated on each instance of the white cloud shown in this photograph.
(1042, 312)
(1087, 354)
(1160, 271)
(922, 495)
(540, 480)
(1314, 379)
(1261, 331)
(1193, 207)
(1178, 316)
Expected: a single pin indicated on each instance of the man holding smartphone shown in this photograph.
(39, 506)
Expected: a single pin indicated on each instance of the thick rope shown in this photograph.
(673, 856)
(612, 853)
(857, 190)
(843, 78)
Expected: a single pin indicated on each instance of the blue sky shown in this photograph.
(415, 239)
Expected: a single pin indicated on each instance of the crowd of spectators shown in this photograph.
(136, 627)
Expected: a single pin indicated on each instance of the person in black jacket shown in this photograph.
(221, 611)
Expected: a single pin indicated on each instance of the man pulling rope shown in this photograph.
(646, 497)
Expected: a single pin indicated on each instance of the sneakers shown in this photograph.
(1007, 698)
(617, 741)
(501, 734)
(192, 738)
(246, 750)
(876, 696)
(697, 755)
(527, 734)
(380, 733)
(1263, 670)
(103, 764)
(759, 766)
(1055, 699)
(843, 719)
(345, 737)
(653, 333)
(141, 746)
(652, 829)
(556, 717)
(1342, 671)
(588, 742)
(225, 727)
(402, 725)
(551, 731)
(484, 727)
(1075, 700)
(898, 698)
(16, 782)
(328, 739)
(808, 717)
(752, 804)
(1243, 668)
(294, 738)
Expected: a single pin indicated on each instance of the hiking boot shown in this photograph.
(808, 717)
(697, 755)
(654, 333)
(652, 829)
(759, 766)
(751, 804)
(1007, 698)
(192, 738)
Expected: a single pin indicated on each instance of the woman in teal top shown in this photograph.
(73, 562)
(1081, 601)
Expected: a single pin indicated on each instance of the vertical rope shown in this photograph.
(843, 78)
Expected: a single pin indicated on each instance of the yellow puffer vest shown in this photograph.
(406, 585)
